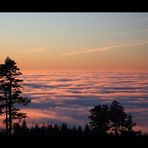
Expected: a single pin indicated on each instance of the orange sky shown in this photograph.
(75, 40)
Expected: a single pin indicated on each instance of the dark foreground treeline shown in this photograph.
(49, 130)
(104, 120)
(60, 130)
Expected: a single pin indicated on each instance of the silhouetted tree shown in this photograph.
(36, 130)
(99, 119)
(64, 129)
(128, 127)
(129, 123)
(117, 117)
(50, 129)
(10, 86)
(122, 123)
(73, 131)
(87, 130)
(24, 128)
(55, 130)
(111, 120)
(80, 131)
(17, 129)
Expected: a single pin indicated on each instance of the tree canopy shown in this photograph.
(111, 119)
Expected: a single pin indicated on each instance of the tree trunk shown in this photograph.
(6, 115)
(10, 108)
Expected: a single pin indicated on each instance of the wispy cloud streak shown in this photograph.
(135, 21)
(130, 32)
(35, 50)
(109, 47)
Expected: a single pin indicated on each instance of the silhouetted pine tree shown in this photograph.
(80, 131)
(10, 86)
(24, 128)
(50, 130)
(64, 130)
(56, 130)
(87, 130)
(17, 129)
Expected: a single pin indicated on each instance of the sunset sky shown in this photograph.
(75, 40)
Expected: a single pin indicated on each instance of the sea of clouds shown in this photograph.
(67, 97)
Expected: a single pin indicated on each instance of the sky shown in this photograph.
(75, 40)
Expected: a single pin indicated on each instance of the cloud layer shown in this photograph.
(68, 96)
